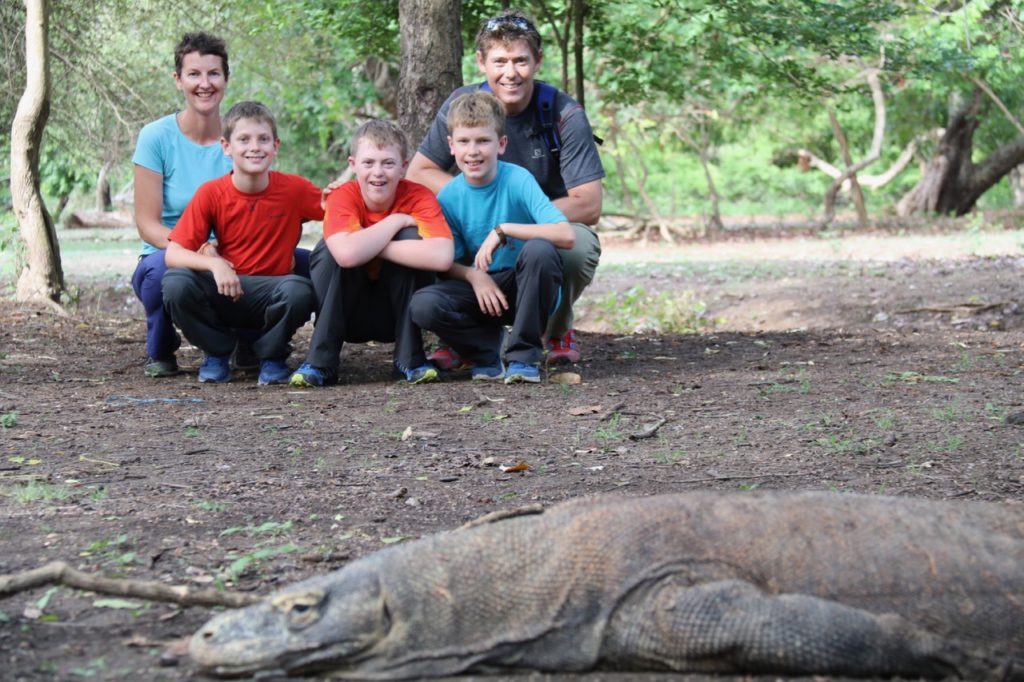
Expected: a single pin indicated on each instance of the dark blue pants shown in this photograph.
(450, 309)
(147, 281)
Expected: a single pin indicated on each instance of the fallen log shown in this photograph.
(79, 219)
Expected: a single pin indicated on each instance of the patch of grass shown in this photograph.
(847, 446)
(209, 505)
(636, 311)
(99, 493)
(886, 421)
(8, 420)
(251, 560)
(609, 430)
(949, 413)
(40, 491)
(916, 377)
(670, 457)
(111, 550)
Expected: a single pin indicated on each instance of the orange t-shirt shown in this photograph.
(347, 212)
(257, 233)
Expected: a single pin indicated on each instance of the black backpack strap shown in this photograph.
(545, 102)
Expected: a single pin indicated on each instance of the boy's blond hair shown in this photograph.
(477, 110)
(252, 110)
(382, 134)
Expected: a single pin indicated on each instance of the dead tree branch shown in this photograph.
(60, 573)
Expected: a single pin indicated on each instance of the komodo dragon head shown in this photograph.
(312, 625)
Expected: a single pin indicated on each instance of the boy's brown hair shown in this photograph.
(204, 44)
(477, 109)
(508, 27)
(253, 110)
(382, 134)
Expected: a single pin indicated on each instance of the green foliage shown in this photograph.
(8, 420)
(41, 491)
(635, 311)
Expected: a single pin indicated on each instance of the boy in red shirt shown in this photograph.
(384, 238)
(247, 281)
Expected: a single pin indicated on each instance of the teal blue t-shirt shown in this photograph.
(184, 165)
(472, 212)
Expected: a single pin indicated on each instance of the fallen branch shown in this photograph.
(976, 307)
(60, 573)
(648, 431)
(709, 479)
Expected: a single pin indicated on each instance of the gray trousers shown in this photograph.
(450, 309)
(578, 267)
(273, 306)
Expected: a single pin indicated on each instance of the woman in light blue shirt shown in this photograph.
(173, 157)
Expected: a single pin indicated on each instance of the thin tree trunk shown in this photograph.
(578, 9)
(41, 277)
(103, 200)
(431, 61)
(855, 193)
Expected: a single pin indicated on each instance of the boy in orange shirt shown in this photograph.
(247, 281)
(384, 238)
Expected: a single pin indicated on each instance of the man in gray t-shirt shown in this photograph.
(508, 52)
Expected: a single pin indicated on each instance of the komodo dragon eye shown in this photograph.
(301, 609)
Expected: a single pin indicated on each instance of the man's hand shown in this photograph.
(227, 280)
(490, 298)
(485, 254)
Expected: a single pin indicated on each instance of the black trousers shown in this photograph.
(273, 306)
(353, 307)
(450, 309)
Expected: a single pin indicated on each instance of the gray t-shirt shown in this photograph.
(578, 162)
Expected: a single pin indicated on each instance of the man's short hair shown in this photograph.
(477, 109)
(381, 133)
(506, 28)
(252, 110)
(204, 44)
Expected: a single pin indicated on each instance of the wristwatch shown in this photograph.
(502, 237)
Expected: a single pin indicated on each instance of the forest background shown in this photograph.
(712, 113)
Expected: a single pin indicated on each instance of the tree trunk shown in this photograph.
(1017, 186)
(431, 61)
(41, 276)
(951, 183)
(578, 9)
(103, 200)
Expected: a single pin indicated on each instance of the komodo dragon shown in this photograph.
(801, 583)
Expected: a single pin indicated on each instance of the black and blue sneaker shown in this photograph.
(521, 372)
(487, 373)
(273, 372)
(216, 369)
(308, 376)
(424, 374)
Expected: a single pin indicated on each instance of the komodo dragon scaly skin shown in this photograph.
(804, 583)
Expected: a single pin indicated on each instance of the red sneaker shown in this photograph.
(445, 358)
(563, 349)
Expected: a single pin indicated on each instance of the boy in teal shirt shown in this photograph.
(507, 234)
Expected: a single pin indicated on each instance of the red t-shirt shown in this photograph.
(257, 233)
(347, 212)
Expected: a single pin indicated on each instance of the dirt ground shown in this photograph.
(889, 374)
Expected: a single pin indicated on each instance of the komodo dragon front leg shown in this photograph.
(731, 626)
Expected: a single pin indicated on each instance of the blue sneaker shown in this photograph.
(216, 369)
(520, 371)
(423, 374)
(490, 373)
(308, 376)
(273, 372)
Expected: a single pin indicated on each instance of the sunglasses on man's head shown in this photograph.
(515, 22)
